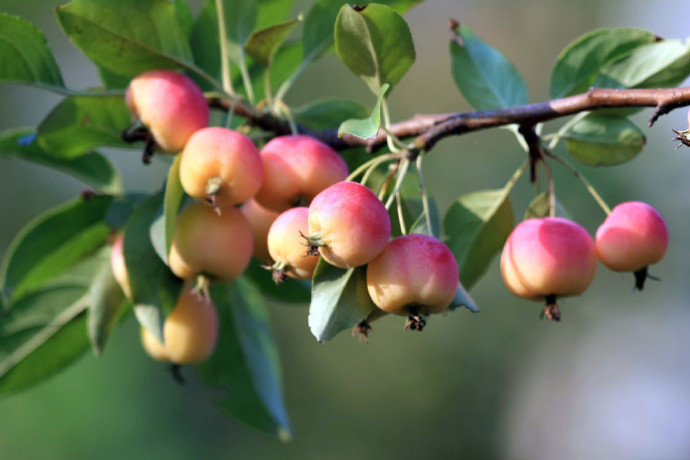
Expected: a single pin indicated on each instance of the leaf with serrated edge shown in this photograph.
(339, 300)
(365, 128)
(476, 227)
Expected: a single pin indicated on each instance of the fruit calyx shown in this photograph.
(313, 242)
(362, 331)
(641, 276)
(278, 271)
(136, 132)
(551, 310)
(683, 137)
(416, 320)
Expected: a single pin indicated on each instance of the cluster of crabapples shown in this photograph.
(550, 257)
(287, 205)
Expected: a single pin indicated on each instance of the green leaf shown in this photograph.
(365, 128)
(477, 226)
(539, 207)
(662, 64)
(421, 225)
(328, 113)
(78, 124)
(272, 12)
(24, 54)
(155, 289)
(123, 207)
(53, 242)
(127, 37)
(92, 168)
(264, 43)
(105, 299)
(581, 61)
(245, 362)
(484, 76)
(599, 140)
(375, 44)
(339, 300)
(163, 226)
(463, 299)
(45, 330)
(320, 22)
(112, 80)
(290, 291)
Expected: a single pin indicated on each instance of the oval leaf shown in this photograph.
(339, 300)
(127, 37)
(581, 61)
(105, 304)
(263, 43)
(365, 128)
(662, 64)
(539, 207)
(78, 124)
(486, 79)
(327, 113)
(374, 43)
(163, 225)
(245, 362)
(154, 288)
(477, 226)
(24, 54)
(53, 242)
(92, 168)
(599, 140)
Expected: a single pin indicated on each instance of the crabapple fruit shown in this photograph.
(296, 169)
(286, 246)
(117, 264)
(348, 224)
(548, 257)
(170, 105)
(207, 243)
(221, 165)
(191, 329)
(260, 220)
(415, 275)
(631, 238)
(152, 345)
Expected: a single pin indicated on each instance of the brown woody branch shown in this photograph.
(429, 129)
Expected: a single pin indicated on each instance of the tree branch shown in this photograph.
(429, 129)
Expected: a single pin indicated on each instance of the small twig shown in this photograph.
(590, 188)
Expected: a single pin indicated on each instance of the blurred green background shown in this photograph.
(610, 381)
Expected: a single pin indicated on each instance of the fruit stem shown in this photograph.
(401, 218)
(386, 123)
(405, 163)
(368, 166)
(592, 191)
(551, 310)
(224, 58)
(425, 196)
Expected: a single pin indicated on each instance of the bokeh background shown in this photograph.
(610, 381)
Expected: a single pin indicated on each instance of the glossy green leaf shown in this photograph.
(320, 22)
(123, 207)
(45, 330)
(52, 243)
(339, 300)
(92, 168)
(105, 302)
(365, 128)
(476, 227)
(24, 54)
(78, 124)
(599, 140)
(262, 44)
(245, 362)
(662, 64)
(328, 113)
(539, 207)
(154, 288)
(374, 43)
(290, 291)
(113, 80)
(127, 37)
(272, 12)
(163, 226)
(484, 76)
(581, 61)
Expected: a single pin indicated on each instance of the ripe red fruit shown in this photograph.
(206, 243)
(260, 220)
(415, 275)
(296, 169)
(170, 105)
(349, 225)
(222, 165)
(631, 238)
(547, 258)
(287, 246)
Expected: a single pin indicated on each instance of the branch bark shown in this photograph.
(429, 129)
